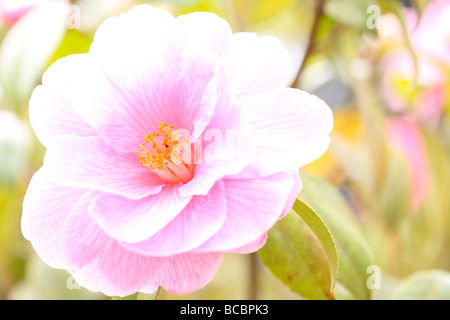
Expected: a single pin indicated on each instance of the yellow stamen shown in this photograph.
(163, 154)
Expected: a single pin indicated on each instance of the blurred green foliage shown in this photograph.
(361, 188)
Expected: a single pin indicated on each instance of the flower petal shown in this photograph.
(223, 144)
(112, 43)
(260, 64)
(251, 247)
(289, 127)
(186, 273)
(204, 31)
(136, 220)
(124, 109)
(50, 112)
(100, 263)
(201, 218)
(46, 206)
(211, 36)
(120, 95)
(253, 207)
(87, 162)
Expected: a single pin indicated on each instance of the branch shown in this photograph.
(319, 4)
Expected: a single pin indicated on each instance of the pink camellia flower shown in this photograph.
(422, 91)
(423, 98)
(171, 142)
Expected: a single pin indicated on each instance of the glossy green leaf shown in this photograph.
(323, 234)
(425, 285)
(295, 255)
(354, 254)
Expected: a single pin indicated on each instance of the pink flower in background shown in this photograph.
(422, 91)
(405, 137)
(171, 142)
(424, 99)
(13, 10)
(432, 34)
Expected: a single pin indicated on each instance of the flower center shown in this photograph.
(163, 152)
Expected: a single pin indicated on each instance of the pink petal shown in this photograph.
(253, 207)
(399, 66)
(133, 83)
(186, 273)
(136, 220)
(50, 112)
(432, 35)
(224, 143)
(46, 206)
(87, 162)
(124, 109)
(104, 265)
(289, 127)
(100, 263)
(251, 247)
(201, 218)
(149, 27)
(204, 31)
(207, 33)
(260, 64)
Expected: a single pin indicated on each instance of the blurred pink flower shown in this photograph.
(118, 202)
(13, 10)
(431, 36)
(405, 137)
(421, 93)
(425, 99)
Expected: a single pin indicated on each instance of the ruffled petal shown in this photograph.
(253, 207)
(98, 262)
(50, 111)
(136, 220)
(289, 127)
(46, 206)
(201, 218)
(251, 247)
(260, 64)
(186, 273)
(124, 109)
(220, 152)
(87, 162)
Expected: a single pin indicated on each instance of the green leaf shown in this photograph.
(425, 285)
(394, 196)
(352, 249)
(296, 256)
(323, 234)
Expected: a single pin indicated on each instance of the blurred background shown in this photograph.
(382, 188)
